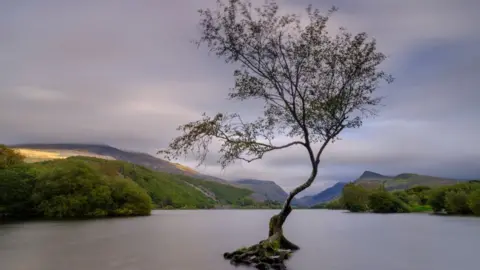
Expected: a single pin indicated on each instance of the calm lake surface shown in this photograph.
(184, 240)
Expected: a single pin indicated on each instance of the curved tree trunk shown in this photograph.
(275, 232)
(277, 221)
(271, 252)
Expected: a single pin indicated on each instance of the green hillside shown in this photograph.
(163, 189)
(225, 194)
(166, 190)
(65, 188)
(175, 190)
(462, 198)
(264, 190)
(402, 181)
(42, 152)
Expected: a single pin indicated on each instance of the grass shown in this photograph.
(421, 209)
(225, 194)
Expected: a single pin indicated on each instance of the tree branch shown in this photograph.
(310, 83)
(239, 140)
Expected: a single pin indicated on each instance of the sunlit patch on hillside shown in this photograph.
(35, 155)
(185, 168)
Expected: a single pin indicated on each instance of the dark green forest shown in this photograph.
(459, 199)
(82, 187)
(66, 188)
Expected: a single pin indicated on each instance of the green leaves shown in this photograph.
(129, 198)
(239, 140)
(474, 202)
(9, 158)
(16, 185)
(68, 188)
(381, 201)
(355, 198)
(74, 188)
(456, 202)
(165, 190)
(458, 199)
(312, 84)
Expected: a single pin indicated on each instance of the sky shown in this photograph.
(125, 73)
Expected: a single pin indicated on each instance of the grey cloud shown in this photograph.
(126, 74)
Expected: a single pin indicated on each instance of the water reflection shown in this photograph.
(183, 240)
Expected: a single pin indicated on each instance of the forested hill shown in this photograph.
(402, 181)
(323, 196)
(87, 186)
(371, 180)
(52, 151)
(263, 190)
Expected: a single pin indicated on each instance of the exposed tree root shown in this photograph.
(264, 255)
(268, 254)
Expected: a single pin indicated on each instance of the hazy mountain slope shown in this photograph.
(402, 181)
(323, 196)
(371, 180)
(263, 190)
(225, 194)
(37, 155)
(372, 175)
(217, 189)
(109, 152)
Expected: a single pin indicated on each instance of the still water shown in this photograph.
(184, 240)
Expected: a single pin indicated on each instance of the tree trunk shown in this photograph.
(272, 252)
(276, 222)
(275, 231)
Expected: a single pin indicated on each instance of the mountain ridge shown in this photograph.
(401, 181)
(326, 195)
(371, 174)
(144, 159)
(370, 180)
(263, 189)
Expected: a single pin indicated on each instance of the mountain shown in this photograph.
(322, 197)
(263, 190)
(402, 181)
(53, 151)
(372, 175)
(221, 191)
(371, 180)
(224, 193)
(176, 186)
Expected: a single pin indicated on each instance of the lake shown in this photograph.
(184, 240)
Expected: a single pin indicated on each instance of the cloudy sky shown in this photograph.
(124, 73)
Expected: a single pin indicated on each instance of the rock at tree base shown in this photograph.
(263, 256)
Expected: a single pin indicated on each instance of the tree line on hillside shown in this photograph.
(79, 187)
(65, 189)
(458, 199)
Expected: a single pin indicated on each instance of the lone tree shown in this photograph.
(313, 86)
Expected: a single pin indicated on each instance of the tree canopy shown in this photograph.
(9, 157)
(313, 84)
